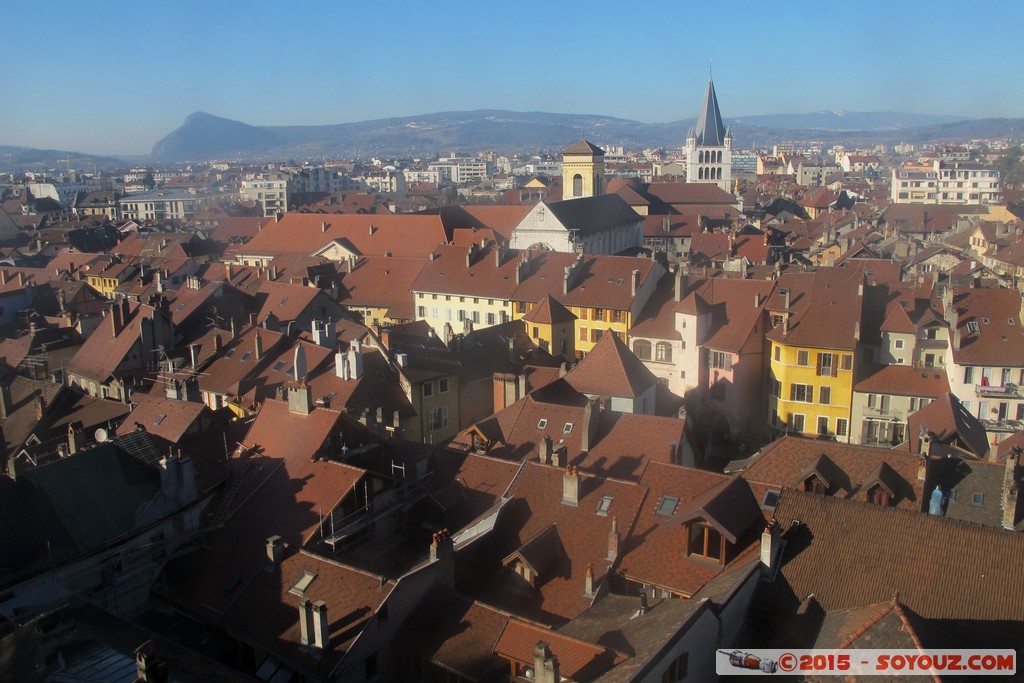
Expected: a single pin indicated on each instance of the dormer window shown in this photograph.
(877, 495)
(814, 484)
(705, 541)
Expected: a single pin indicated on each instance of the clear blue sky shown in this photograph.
(114, 77)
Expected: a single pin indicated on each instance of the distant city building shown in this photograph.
(160, 204)
(271, 191)
(945, 182)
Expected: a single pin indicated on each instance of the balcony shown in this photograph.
(932, 343)
(1004, 391)
(1004, 425)
(887, 412)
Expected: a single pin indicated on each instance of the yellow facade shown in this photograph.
(558, 340)
(811, 390)
(590, 324)
(582, 175)
(103, 285)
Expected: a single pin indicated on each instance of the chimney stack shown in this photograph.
(306, 621)
(614, 539)
(565, 280)
(257, 344)
(6, 404)
(591, 415)
(571, 486)
(74, 437)
(545, 449)
(442, 550)
(116, 321)
(218, 343)
(275, 550)
(1011, 489)
(40, 407)
(682, 284)
(770, 546)
(300, 399)
(785, 299)
(545, 664)
(635, 282)
(149, 669)
(321, 626)
(588, 585)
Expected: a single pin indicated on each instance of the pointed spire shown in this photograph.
(710, 129)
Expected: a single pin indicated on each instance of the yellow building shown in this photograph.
(105, 277)
(811, 350)
(552, 327)
(582, 171)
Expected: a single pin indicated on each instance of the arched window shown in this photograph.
(700, 173)
(719, 157)
(577, 185)
(663, 352)
(642, 349)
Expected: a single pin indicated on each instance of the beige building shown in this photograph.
(271, 191)
(946, 182)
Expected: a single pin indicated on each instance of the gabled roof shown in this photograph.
(845, 468)
(578, 660)
(549, 312)
(729, 506)
(593, 214)
(947, 420)
(710, 131)
(611, 369)
(164, 417)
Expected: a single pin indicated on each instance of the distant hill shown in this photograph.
(204, 136)
(29, 159)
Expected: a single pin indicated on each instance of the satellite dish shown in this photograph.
(101, 435)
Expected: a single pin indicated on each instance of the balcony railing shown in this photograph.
(1006, 390)
(1004, 425)
(932, 343)
(888, 412)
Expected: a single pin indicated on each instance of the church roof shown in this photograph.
(584, 147)
(710, 130)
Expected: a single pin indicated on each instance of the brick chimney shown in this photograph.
(442, 551)
(588, 430)
(275, 550)
(545, 450)
(571, 486)
(300, 398)
(545, 664)
(614, 540)
(321, 626)
(116, 321)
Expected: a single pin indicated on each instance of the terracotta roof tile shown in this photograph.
(577, 660)
(611, 369)
(166, 418)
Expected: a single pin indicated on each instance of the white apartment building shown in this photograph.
(946, 182)
(271, 190)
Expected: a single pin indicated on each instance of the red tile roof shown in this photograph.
(164, 417)
(851, 554)
(1000, 337)
(381, 282)
(559, 595)
(549, 312)
(903, 380)
(611, 369)
(656, 551)
(578, 660)
(406, 235)
(788, 461)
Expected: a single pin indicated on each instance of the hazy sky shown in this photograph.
(115, 77)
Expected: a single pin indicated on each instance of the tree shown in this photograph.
(149, 181)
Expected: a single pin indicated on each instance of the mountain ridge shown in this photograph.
(206, 136)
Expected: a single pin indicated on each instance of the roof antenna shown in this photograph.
(711, 63)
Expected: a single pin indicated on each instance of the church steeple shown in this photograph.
(710, 132)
